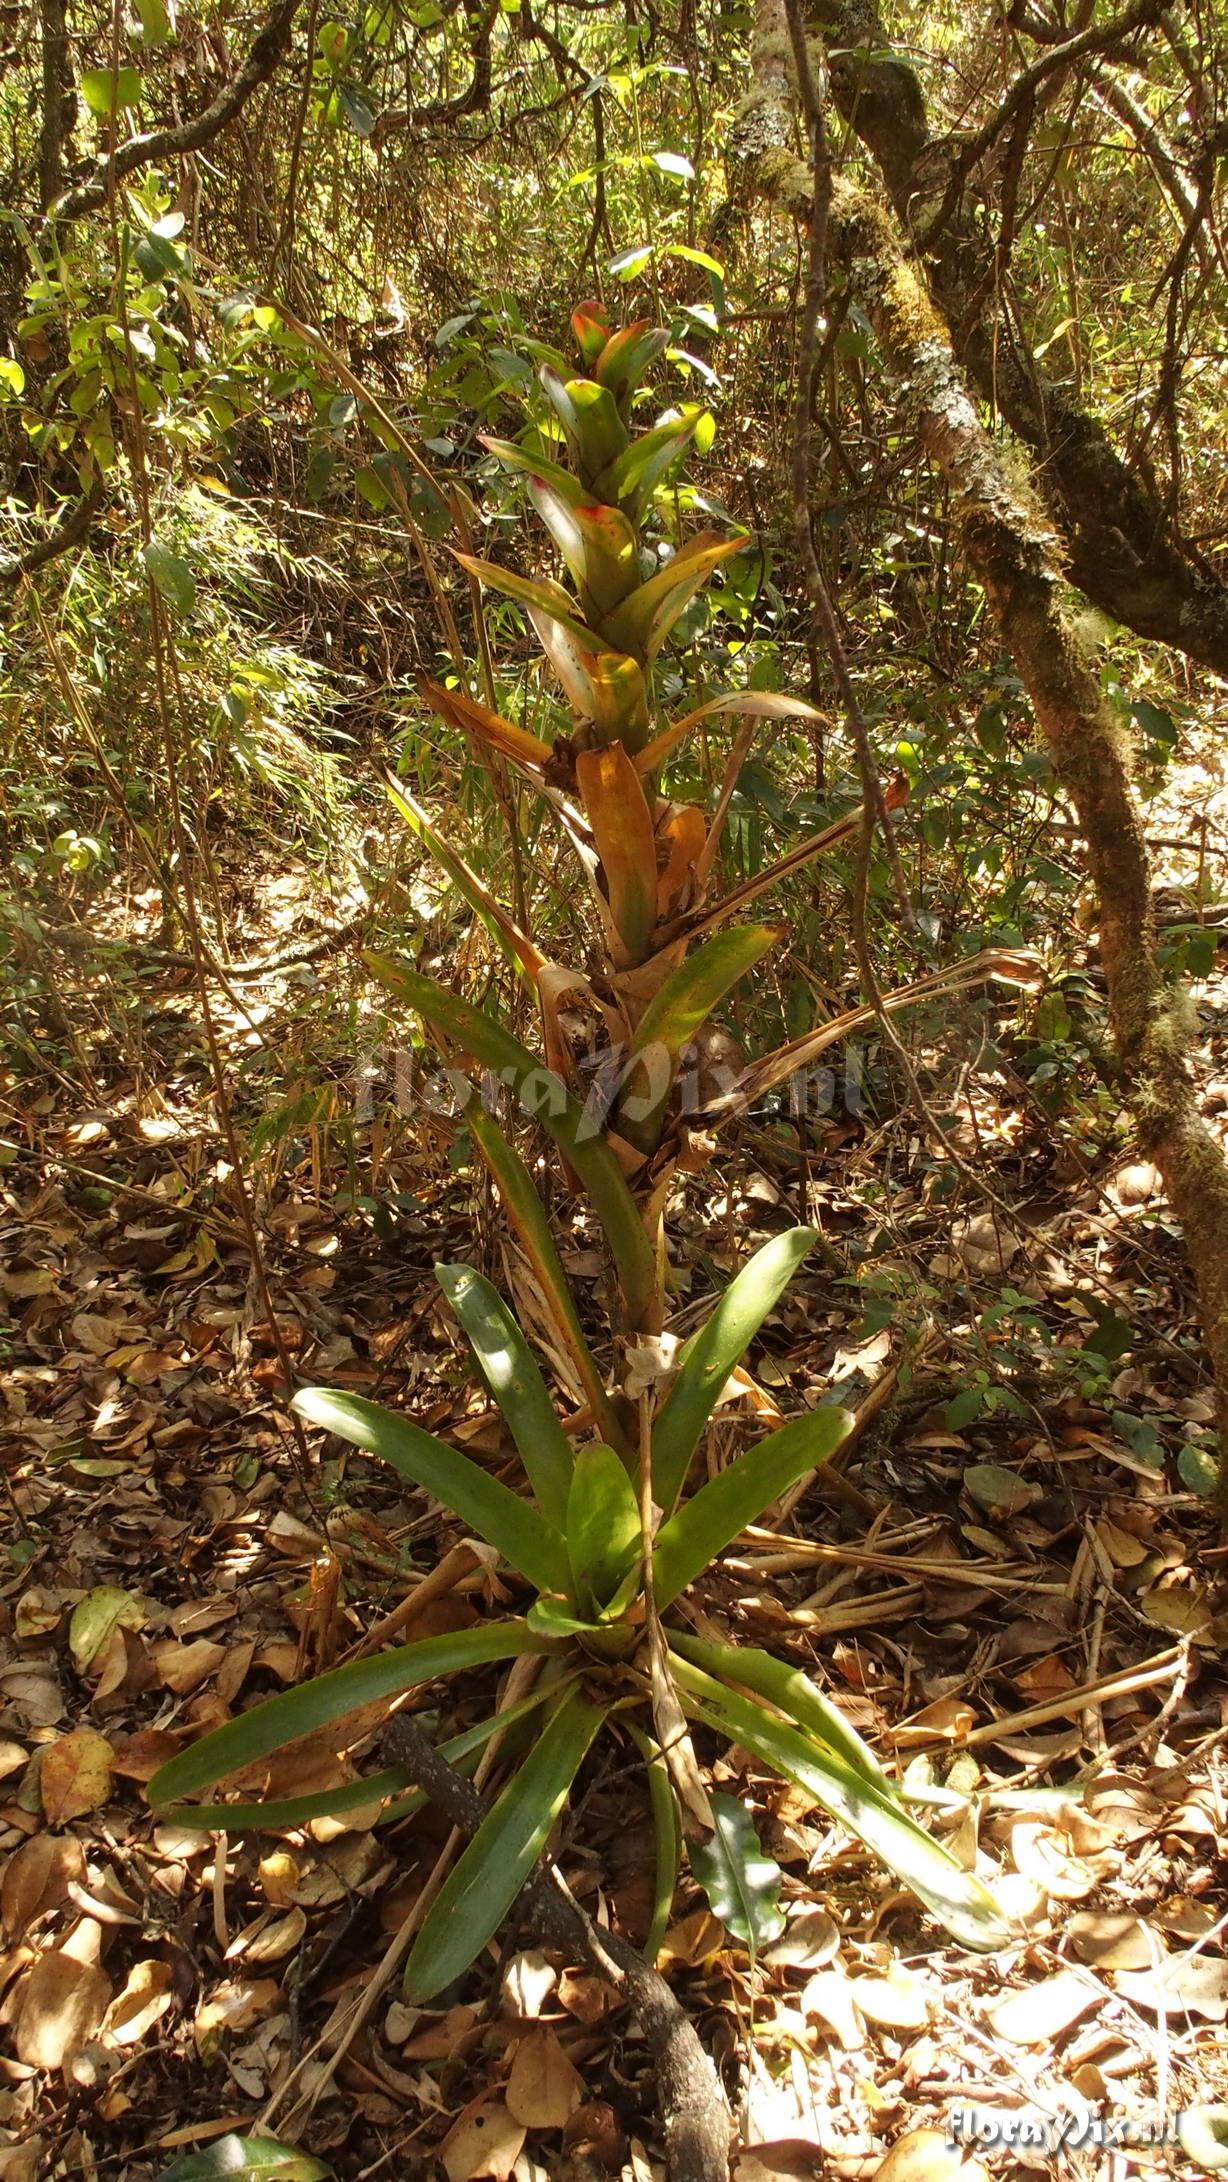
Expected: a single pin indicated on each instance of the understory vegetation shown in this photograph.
(611, 1162)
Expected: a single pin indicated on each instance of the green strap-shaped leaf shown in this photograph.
(545, 1096)
(294, 1713)
(589, 415)
(556, 1618)
(618, 699)
(510, 1370)
(712, 1352)
(543, 596)
(791, 1692)
(527, 1214)
(520, 1533)
(590, 323)
(666, 1837)
(641, 624)
(526, 463)
(706, 1523)
(277, 1817)
(626, 357)
(597, 543)
(525, 958)
(603, 1524)
(755, 704)
(480, 1889)
(741, 1881)
(647, 459)
(670, 1021)
(686, 1000)
(956, 1897)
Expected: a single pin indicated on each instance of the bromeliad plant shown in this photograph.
(607, 1538)
(601, 1589)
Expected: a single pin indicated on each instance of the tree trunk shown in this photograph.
(1011, 548)
(1121, 550)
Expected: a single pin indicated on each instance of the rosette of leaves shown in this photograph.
(574, 1540)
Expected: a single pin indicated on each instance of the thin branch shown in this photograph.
(1098, 38)
(474, 99)
(69, 531)
(198, 130)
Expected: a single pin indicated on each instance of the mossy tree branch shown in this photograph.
(1011, 547)
(1122, 549)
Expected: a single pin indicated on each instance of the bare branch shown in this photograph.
(199, 129)
(68, 532)
(1100, 38)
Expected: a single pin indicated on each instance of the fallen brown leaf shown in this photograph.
(76, 1775)
(1037, 2014)
(37, 1878)
(543, 2089)
(62, 2006)
(925, 2156)
(484, 2140)
(1112, 1941)
(144, 2000)
(1184, 1985)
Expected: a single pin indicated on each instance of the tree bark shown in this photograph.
(1012, 549)
(59, 101)
(1121, 548)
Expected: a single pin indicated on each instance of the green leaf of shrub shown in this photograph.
(666, 1837)
(741, 1881)
(356, 110)
(1198, 1470)
(963, 1408)
(172, 577)
(96, 86)
(645, 461)
(154, 21)
(674, 163)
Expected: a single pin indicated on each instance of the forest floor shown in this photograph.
(1013, 1600)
